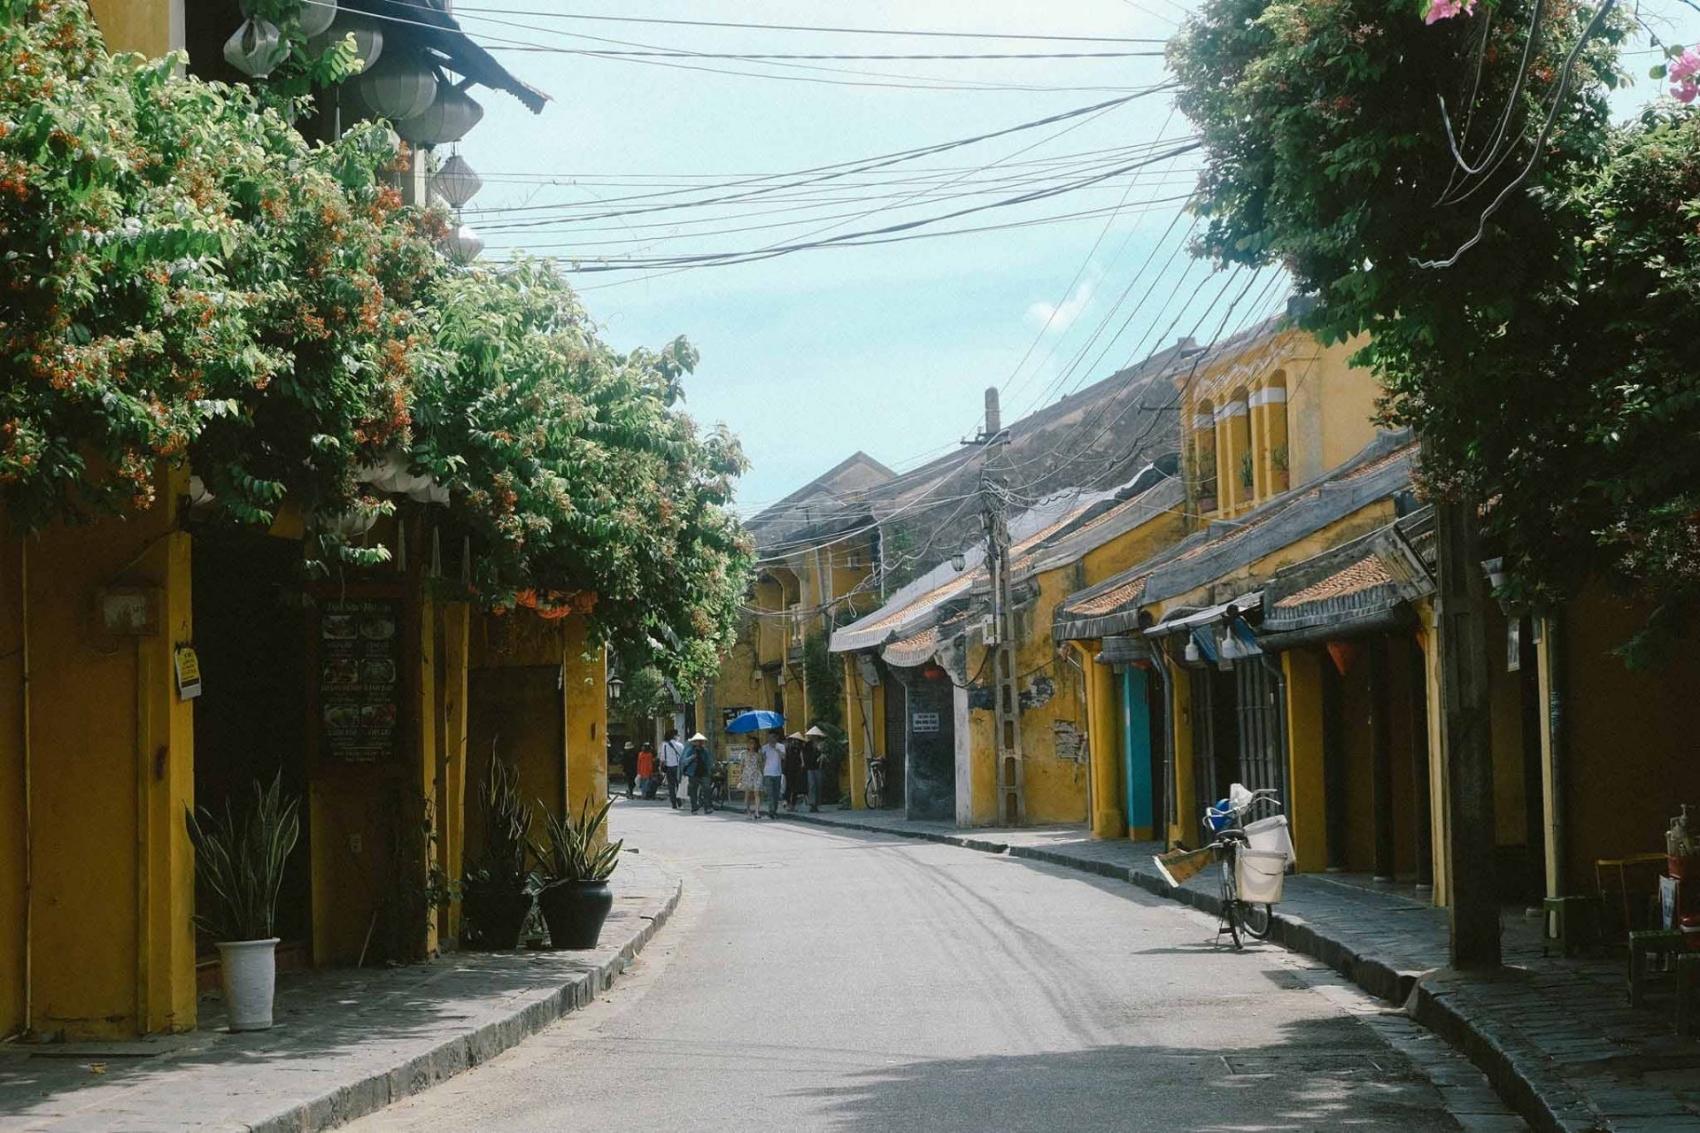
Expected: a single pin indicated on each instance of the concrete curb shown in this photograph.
(376, 1088)
(1518, 1073)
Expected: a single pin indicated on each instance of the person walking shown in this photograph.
(749, 780)
(672, 754)
(772, 771)
(646, 770)
(628, 767)
(793, 769)
(697, 765)
(812, 765)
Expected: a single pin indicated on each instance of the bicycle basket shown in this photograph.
(1270, 835)
(1259, 875)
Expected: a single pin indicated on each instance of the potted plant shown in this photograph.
(574, 867)
(496, 895)
(240, 862)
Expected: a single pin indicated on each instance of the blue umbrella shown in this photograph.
(754, 721)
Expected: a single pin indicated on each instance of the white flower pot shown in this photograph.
(249, 968)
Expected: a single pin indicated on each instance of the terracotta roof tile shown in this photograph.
(1110, 600)
(1365, 574)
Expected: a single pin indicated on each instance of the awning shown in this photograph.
(1362, 587)
(430, 24)
(917, 649)
(1124, 649)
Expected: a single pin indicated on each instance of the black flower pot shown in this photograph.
(495, 918)
(574, 912)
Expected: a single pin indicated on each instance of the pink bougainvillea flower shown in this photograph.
(1445, 9)
(1684, 75)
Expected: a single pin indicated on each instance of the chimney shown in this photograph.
(994, 418)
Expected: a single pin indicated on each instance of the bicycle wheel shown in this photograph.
(1231, 904)
(1256, 919)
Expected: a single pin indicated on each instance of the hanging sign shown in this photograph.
(188, 669)
(359, 671)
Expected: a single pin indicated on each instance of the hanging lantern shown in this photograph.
(368, 38)
(464, 245)
(256, 48)
(456, 182)
(447, 119)
(316, 16)
(398, 88)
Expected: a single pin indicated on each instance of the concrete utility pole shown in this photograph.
(994, 514)
(1466, 738)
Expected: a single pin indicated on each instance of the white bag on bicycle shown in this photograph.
(1259, 876)
(1271, 835)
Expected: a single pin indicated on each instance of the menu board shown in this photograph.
(359, 671)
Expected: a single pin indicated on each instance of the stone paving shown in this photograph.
(346, 1043)
(1557, 1037)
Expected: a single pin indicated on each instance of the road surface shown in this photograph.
(823, 979)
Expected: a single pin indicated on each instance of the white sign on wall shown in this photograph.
(924, 721)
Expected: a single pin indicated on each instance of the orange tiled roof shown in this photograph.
(1365, 574)
(1110, 600)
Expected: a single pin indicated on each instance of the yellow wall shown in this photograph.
(105, 928)
(586, 687)
(1307, 811)
(152, 27)
(1185, 826)
(1103, 729)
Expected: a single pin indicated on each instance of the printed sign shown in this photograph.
(188, 668)
(924, 721)
(359, 677)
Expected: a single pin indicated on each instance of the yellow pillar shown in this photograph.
(1549, 832)
(586, 705)
(1209, 481)
(856, 731)
(1233, 442)
(1307, 809)
(1186, 819)
(423, 772)
(1438, 794)
(451, 786)
(1103, 744)
(152, 27)
(1268, 405)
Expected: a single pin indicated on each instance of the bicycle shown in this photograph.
(874, 788)
(1239, 918)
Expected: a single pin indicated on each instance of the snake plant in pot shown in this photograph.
(574, 868)
(239, 862)
(496, 894)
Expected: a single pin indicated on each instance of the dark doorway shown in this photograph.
(515, 713)
(930, 744)
(251, 716)
(896, 723)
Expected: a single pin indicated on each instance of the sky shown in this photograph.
(887, 347)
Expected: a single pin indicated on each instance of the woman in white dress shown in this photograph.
(749, 781)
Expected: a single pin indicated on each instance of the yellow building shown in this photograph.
(157, 661)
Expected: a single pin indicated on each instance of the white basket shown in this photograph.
(1270, 835)
(1259, 875)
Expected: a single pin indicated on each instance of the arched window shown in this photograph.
(1269, 424)
(1204, 474)
(1233, 451)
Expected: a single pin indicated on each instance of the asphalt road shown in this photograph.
(818, 979)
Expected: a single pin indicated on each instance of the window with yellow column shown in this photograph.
(1268, 408)
(1233, 452)
(1205, 481)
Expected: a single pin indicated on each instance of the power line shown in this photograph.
(918, 33)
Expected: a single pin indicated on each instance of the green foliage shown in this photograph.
(646, 696)
(185, 278)
(503, 867)
(240, 860)
(573, 851)
(573, 468)
(823, 677)
(1545, 371)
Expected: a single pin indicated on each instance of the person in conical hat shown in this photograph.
(812, 765)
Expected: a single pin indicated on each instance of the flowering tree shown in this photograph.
(1447, 182)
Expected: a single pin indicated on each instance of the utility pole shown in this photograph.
(1466, 738)
(1000, 642)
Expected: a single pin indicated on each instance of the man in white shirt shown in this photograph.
(672, 751)
(772, 771)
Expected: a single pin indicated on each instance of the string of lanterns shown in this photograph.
(425, 108)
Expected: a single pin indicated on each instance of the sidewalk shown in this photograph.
(1555, 1036)
(346, 1042)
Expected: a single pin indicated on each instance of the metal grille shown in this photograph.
(1259, 718)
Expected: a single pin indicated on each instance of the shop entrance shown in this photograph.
(251, 716)
(930, 745)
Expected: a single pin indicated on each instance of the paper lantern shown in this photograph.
(447, 119)
(316, 16)
(464, 245)
(256, 49)
(456, 182)
(398, 87)
(368, 38)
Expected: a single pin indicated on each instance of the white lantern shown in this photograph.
(256, 49)
(456, 182)
(368, 38)
(464, 245)
(446, 120)
(398, 87)
(316, 16)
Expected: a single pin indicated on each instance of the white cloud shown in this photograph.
(1057, 317)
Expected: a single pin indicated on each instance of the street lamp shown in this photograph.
(959, 561)
(615, 687)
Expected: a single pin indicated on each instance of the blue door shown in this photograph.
(1136, 753)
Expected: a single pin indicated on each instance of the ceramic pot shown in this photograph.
(575, 912)
(249, 972)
